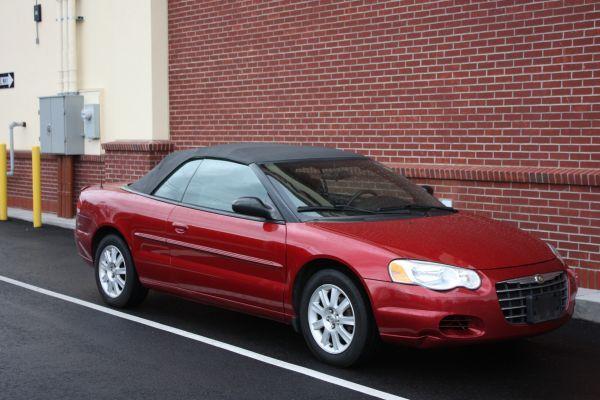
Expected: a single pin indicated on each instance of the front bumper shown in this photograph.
(410, 314)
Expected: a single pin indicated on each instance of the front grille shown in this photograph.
(513, 294)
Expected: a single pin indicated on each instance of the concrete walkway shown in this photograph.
(47, 218)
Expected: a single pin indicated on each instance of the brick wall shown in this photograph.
(19, 185)
(125, 161)
(476, 83)
(88, 170)
(495, 103)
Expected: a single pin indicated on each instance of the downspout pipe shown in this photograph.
(71, 19)
(65, 45)
(11, 128)
(59, 19)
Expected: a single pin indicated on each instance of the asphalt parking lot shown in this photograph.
(58, 348)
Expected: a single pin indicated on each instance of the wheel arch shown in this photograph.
(101, 233)
(318, 264)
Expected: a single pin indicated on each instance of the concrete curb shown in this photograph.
(588, 305)
(47, 218)
(588, 300)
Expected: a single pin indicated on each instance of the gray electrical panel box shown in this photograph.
(61, 126)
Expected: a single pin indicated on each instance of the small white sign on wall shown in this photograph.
(7, 80)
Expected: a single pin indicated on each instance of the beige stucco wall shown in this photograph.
(122, 63)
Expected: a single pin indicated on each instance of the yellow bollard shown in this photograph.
(36, 180)
(3, 190)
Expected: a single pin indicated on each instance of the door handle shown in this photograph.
(180, 228)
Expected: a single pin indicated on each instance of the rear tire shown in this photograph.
(335, 319)
(116, 277)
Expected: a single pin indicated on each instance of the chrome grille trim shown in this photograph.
(513, 293)
(531, 279)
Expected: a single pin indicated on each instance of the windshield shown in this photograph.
(330, 188)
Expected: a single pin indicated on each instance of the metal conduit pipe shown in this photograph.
(67, 41)
(65, 44)
(11, 128)
(61, 40)
(71, 23)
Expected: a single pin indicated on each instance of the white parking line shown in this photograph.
(212, 342)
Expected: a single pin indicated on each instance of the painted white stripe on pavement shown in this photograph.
(212, 342)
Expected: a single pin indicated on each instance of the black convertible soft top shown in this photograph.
(243, 153)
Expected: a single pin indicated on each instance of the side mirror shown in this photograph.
(428, 189)
(253, 207)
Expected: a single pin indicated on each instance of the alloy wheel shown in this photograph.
(331, 318)
(112, 271)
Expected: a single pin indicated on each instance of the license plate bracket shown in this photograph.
(544, 307)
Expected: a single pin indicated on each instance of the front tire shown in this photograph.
(335, 319)
(116, 278)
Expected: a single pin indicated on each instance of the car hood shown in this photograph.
(459, 239)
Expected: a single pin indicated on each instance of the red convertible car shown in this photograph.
(332, 242)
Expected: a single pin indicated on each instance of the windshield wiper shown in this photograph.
(342, 208)
(418, 207)
(339, 208)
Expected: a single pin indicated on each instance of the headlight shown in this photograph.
(433, 275)
(556, 253)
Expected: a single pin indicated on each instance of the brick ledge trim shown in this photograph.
(147, 146)
(26, 154)
(553, 176)
(91, 158)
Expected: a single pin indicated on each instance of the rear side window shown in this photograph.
(174, 187)
(217, 184)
